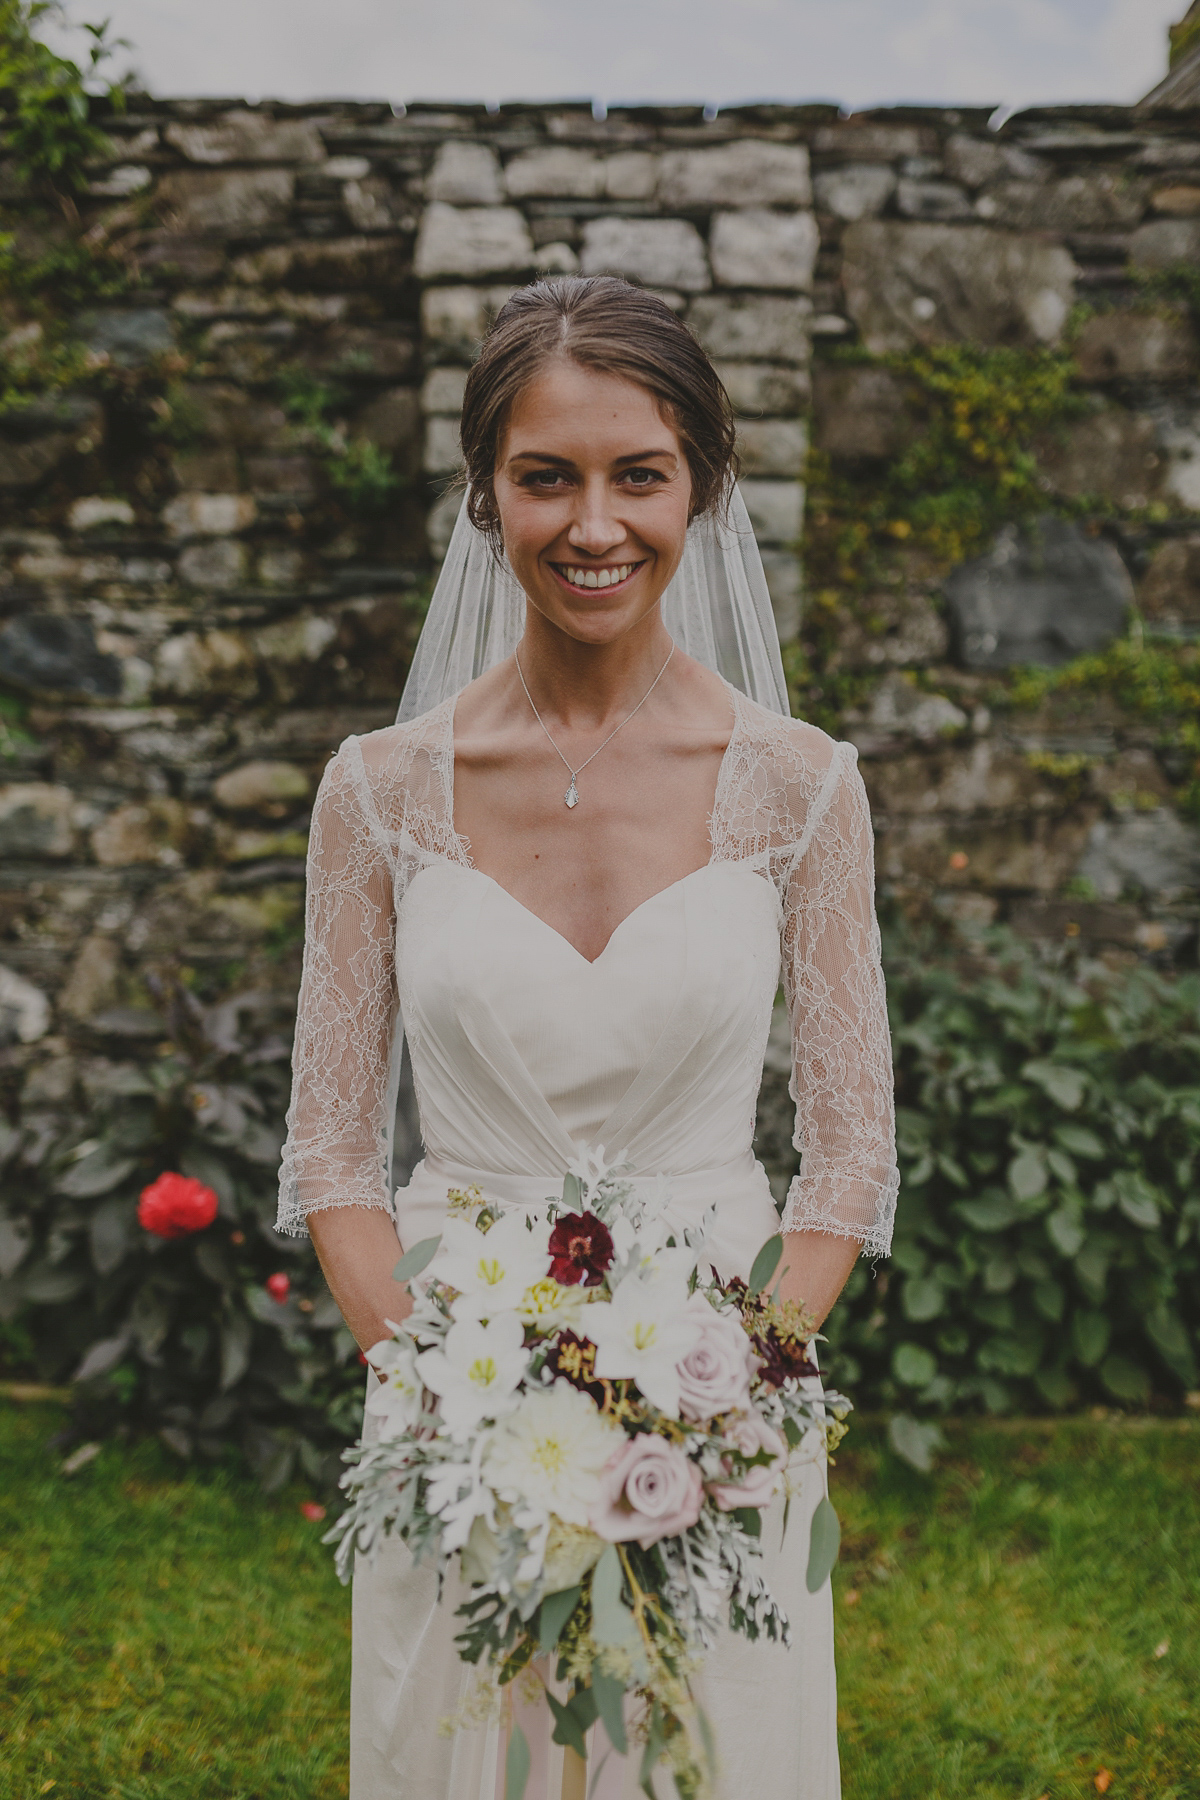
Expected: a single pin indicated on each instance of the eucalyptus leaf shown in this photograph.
(824, 1541)
(416, 1260)
(517, 1765)
(567, 1728)
(610, 1703)
(572, 1193)
(765, 1264)
(556, 1610)
(612, 1622)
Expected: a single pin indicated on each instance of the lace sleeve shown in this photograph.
(841, 1049)
(336, 1152)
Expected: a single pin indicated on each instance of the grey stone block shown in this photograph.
(247, 137)
(772, 446)
(56, 653)
(631, 175)
(1112, 453)
(454, 320)
(1163, 242)
(443, 452)
(1042, 594)
(208, 515)
(128, 336)
(225, 202)
(465, 175)
(39, 437)
(975, 161)
(858, 191)
(1136, 346)
(216, 564)
(760, 329)
(556, 172)
(477, 240)
(929, 284)
(757, 248)
(1103, 202)
(785, 586)
(765, 387)
(36, 819)
(728, 174)
(932, 200)
(776, 509)
(24, 1009)
(1150, 853)
(443, 391)
(666, 253)
(861, 412)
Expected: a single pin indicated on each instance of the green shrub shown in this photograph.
(1047, 1244)
(176, 1336)
(46, 123)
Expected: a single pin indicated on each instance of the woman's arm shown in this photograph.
(334, 1178)
(358, 1251)
(843, 1199)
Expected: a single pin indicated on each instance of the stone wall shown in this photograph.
(202, 591)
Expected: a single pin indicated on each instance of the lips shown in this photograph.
(592, 580)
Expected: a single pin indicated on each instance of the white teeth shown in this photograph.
(599, 578)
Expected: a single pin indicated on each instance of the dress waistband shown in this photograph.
(746, 1214)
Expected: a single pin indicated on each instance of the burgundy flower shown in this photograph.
(580, 1250)
(279, 1287)
(175, 1205)
(574, 1358)
(781, 1358)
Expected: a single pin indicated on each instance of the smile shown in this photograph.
(584, 580)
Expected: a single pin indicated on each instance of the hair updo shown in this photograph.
(599, 322)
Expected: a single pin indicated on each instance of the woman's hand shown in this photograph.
(816, 1267)
(358, 1249)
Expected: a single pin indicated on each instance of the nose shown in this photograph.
(595, 529)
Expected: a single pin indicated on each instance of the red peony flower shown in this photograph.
(175, 1205)
(279, 1287)
(580, 1250)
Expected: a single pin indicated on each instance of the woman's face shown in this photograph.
(593, 490)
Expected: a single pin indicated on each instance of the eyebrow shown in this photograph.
(564, 462)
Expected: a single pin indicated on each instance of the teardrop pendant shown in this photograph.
(572, 794)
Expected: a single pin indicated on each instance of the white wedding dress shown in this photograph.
(524, 1053)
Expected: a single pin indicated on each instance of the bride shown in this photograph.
(573, 876)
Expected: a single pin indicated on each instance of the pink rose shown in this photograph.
(648, 1490)
(757, 1486)
(714, 1376)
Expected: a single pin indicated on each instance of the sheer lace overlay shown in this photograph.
(790, 806)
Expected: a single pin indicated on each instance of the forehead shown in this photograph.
(585, 414)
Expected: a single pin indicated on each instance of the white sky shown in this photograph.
(857, 52)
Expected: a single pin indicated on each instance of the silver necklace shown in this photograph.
(572, 794)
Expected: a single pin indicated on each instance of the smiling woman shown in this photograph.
(596, 973)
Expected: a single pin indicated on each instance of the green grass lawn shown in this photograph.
(166, 1635)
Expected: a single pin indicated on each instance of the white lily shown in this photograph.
(396, 1402)
(491, 1269)
(643, 1333)
(476, 1372)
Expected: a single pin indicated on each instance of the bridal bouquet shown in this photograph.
(583, 1414)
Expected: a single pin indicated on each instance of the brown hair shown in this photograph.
(606, 324)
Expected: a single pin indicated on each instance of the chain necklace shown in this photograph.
(572, 794)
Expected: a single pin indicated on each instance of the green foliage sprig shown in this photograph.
(46, 123)
(1048, 1234)
(357, 468)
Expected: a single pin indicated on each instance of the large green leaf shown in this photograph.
(556, 1610)
(610, 1702)
(1126, 1379)
(989, 1215)
(914, 1440)
(1065, 1085)
(99, 1172)
(1090, 1332)
(913, 1365)
(765, 1264)
(517, 1764)
(824, 1541)
(922, 1299)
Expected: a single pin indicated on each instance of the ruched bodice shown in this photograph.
(524, 1053)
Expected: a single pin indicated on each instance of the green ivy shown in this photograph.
(357, 468)
(1047, 1246)
(1158, 682)
(46, 124)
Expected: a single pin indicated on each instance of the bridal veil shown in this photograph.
(716, 608)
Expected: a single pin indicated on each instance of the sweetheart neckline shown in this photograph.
(592, 962)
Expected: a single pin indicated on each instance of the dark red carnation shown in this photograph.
(580, 1250)
(175, 1205)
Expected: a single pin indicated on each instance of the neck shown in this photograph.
(589, 685)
